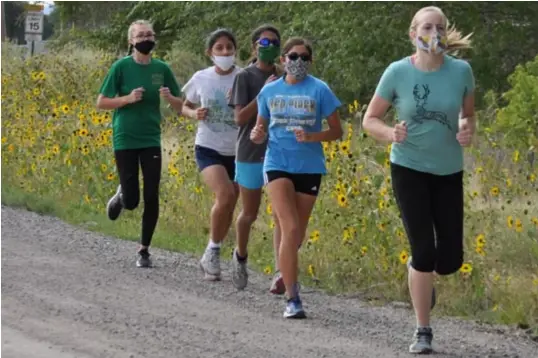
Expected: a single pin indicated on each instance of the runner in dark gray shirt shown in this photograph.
(249, 158)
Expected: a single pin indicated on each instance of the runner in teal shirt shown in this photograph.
(433, 95)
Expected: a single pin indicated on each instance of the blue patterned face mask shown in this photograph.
(435, 44)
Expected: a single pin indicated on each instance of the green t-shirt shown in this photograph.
(138, 125)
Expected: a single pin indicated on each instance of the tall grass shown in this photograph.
(56, 150)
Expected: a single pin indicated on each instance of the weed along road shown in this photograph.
(68, 292)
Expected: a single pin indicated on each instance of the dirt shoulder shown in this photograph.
(67, 292)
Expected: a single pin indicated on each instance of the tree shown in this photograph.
(353, 41)
(14, 20)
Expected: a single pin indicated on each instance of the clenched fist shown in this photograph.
(165, 93)
(399, 132)
(258, 134)
(301, 135)
(201, 113)
(136, 95)
(465, 134)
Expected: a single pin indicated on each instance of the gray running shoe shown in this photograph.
(114, 205)
(239, 272)
(143, 259)
(210, 264)
(434, 295)
(422, 341)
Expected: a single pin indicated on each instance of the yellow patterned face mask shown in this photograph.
(433, 44)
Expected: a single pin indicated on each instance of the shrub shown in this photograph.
(518, 121)
(184, 64)
(57, 147)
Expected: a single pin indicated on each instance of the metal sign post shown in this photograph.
(33, 29)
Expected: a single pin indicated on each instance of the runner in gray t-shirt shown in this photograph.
(249, 157)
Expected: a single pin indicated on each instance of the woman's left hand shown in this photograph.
(165, 93)
(301, 135)
(465, 133)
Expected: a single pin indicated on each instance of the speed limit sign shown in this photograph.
(34, 22)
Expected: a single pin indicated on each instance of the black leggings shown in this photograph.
(127, 162)
(431, 207)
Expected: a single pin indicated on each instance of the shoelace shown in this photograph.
(242, 270)
(294, 304)
(214, 258)
(423, 336)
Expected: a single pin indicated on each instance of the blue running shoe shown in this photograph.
(294, 309)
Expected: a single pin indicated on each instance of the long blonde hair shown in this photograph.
(455, 40)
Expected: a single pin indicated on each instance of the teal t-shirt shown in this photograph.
(430, 104)
(138, 125)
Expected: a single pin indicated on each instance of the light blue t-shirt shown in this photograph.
(286, 107)
(430, 104)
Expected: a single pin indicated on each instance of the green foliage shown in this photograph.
(91, 15)
(519, 119)
(184, 64)
(353, 41)
(14, 16)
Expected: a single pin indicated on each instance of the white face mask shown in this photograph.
(224, 62)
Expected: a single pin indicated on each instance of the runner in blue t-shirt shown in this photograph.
(433, 95)
(292, 108)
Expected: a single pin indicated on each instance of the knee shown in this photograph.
(247, 217)
(290, 233)
(130, 202)
(227, 198)
(423, 262)
(449, 264)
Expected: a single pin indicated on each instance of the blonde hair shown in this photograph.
(135, 23)
(130, 32)
(455, 40)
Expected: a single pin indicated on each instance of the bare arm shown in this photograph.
(189, 109)
(333, 133)
(242, 114)
(372, 122)
(467, 112)
(260, 121)
(112, 103)
(176, 103)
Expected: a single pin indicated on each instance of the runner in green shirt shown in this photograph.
(133, 89)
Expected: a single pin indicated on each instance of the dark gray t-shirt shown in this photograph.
(248, 83)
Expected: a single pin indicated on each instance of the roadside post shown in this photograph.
(33, 29)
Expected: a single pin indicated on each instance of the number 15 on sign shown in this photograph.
(34, 22)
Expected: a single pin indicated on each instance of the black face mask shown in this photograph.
(145, 47)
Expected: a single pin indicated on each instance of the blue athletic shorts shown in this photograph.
(206, 157)
(249, 175)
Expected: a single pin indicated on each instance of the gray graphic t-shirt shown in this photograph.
(209, 89)
(248, 83)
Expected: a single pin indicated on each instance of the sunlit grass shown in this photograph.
(57, 159)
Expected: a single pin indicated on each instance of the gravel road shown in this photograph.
(68, 292)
